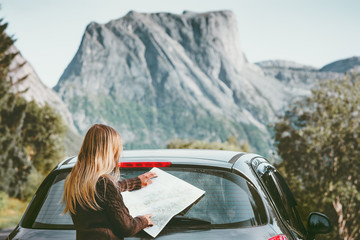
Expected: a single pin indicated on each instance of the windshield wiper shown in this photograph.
(180, 219)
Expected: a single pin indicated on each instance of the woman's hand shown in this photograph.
(148, 218)
(146, 178)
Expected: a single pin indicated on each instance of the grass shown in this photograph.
(12, 212)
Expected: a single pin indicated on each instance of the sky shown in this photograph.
(311, 32)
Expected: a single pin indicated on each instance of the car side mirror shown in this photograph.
(318, 223)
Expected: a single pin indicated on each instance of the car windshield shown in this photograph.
(229, 201)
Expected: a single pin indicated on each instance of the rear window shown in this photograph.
(229, 201)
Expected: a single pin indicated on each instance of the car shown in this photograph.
(245, 198)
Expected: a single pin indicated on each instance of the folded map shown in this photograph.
(166, 197)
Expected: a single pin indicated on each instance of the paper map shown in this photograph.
(164, 198)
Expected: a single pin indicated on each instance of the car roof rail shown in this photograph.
(235, 158)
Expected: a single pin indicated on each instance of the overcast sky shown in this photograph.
(312, 32)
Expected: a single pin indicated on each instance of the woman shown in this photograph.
(92, 190)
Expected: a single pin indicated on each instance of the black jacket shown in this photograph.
(113, 221)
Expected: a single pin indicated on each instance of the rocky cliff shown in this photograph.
(155, 77)
(160, 76)
(36, 90)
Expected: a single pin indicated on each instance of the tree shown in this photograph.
(31, 137)
(14, 166)
(43, 136)
(319, 143)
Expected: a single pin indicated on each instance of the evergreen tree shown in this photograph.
(31, 137)
(43, 136)
(319, 142)
(14, 165)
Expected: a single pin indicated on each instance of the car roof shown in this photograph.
(214, 155)
(214, 158)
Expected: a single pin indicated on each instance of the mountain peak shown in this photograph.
(156, 76)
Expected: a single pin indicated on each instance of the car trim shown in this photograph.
(65, 162)
(235, 158)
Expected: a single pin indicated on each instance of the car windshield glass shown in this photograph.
(229, 200)
(50, 214)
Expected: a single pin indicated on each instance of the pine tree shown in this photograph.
(43, 135)
(14, 165)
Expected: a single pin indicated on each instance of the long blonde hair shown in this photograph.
(98, 157)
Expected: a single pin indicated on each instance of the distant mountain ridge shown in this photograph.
(344, 65)
(296, 75)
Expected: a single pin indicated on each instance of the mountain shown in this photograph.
(343, 66)
(160, 76)
(298, 78)
(41, 94)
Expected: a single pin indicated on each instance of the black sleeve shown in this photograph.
(129, 184)
(123, 224)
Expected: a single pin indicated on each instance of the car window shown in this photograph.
(229, 199)
(282, 197)
(50, 214)
(291, 202)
